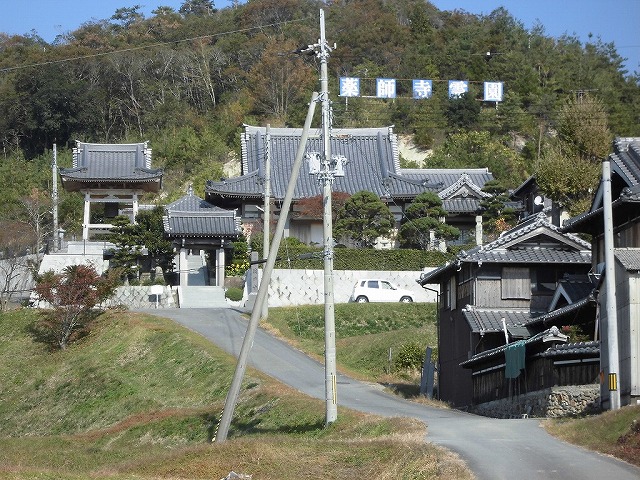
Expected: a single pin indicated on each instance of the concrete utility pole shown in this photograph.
(610, 282)
(54, 197)
(247, 342)
(329, 316)
(326, 174)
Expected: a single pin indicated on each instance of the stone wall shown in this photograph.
(141, 297)
(555, 402)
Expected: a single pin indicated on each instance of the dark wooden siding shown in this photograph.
(489, 382)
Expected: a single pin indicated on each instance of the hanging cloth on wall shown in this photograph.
(514, 359)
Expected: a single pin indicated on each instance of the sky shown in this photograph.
(613, 21)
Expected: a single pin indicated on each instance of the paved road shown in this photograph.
(494, 449)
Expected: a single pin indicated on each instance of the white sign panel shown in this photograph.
(386, 87)
(422, 88)
(349, 86)
(458, 87)
(493, 91)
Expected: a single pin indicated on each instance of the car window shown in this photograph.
(372, 284)
(386, 285)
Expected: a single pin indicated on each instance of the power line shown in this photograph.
(142, 47)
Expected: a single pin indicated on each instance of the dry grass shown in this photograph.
(615, 433)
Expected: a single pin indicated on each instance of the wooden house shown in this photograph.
(498, 293)
(372, 164)
(625, 192)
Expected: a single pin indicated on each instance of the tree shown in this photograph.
(128, 248)
(37, 207)
(313, 207)
(16, 241)
(363, 218)
(497, 217)
(199, 8)
(479, 150)
(131, 239)
(422, 223)
(569, 169)
(462, 111)
(72, 295)
(128, 16)
(150, 229)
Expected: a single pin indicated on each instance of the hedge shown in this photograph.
(361, 258)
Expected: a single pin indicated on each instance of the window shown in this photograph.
(449, 293)
(516, 283)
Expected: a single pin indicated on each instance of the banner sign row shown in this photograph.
(386, 88)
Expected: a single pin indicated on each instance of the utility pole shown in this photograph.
(266, 226)
(610, 282)
(327, 228)
(247, 342)
(54, 197)
(327, 168)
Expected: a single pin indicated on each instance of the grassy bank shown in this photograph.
(369, 337)
(140, 398)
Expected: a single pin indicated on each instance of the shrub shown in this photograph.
(234, 294)
(410, 357)
(72, 295)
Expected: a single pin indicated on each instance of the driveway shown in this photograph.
(494, 449)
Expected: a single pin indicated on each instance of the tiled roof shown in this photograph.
(628, 257)
(572, 349)
(372, 165)
(551, 334)
(464, 182)
(94, 162)
(191, 216)
(574, 288)
(490, 320)
(518, 246)
(461, 205)
(568, 310)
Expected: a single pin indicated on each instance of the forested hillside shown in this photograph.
(187, 80)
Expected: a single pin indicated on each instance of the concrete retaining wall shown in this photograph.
(305, 287)
(556, 402)
(141, 297)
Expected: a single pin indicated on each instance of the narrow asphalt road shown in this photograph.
(494, 449)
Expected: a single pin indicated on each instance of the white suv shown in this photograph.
(376, 290)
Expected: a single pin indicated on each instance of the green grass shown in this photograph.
(139, 398)
(365, 333)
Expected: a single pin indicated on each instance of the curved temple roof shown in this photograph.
(99, 165)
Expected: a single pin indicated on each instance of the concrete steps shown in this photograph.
(198, 272)
(202, 297)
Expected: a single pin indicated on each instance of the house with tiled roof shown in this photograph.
(624, 163)
(111, 177)
(194, 225)
(371, 163)
(495, 294)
